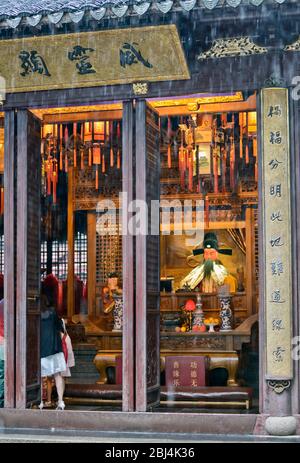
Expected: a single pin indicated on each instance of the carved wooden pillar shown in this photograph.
(276, 259)
(9, 256)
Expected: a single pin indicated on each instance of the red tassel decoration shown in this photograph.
(232, 162)
(223, 154)
(90, 156)
(66, 151)
(111, 157)
(61, 147)
(241, 118)
(215, 171)
(66, 163)
(74, 141)
(48, 169)
(96, 155)
(181, 167)
(255, 158)
(54, 183)
(118, 160)
(103, 163)
(111, 145)
(169, 157)
(190, 170)
(206, 212)
(247, 141)
(2, 201)
(97, 178)
(81, 160)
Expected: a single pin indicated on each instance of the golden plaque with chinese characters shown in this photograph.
(90, 59)
(276, 216)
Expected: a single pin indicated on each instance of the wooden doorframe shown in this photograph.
(147, 334)
(27, 315)
(128, 345)
(9, 257)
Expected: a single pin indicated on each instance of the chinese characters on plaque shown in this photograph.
(89, 59)
(185, 371)
(277, 232)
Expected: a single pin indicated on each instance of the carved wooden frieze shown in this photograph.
(239, 46)
(193, 342)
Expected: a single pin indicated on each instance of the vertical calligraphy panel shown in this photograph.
(277, 232)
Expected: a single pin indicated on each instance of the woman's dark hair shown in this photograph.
(48, 294)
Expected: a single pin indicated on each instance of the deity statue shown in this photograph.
(211, 273)
(113, 300)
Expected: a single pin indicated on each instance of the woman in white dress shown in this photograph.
(53, 361)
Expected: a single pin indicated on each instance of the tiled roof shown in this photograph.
(13, 12)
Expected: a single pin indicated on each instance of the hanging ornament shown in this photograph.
(169, 157)
(66, 148)
(54, 179)
(169, 133)
(103, 163)
(190, 168)
(82, 148)
(74, 144)
(241, 124)
(2, 201)
(223, 157)
(118, 160)
(96, 154)
(232, 163)
(90, 156)
(61, 147)
(247, 140)
(97, 178)
(255, 158)
(215, 170)
(206, 212)
(111, 146)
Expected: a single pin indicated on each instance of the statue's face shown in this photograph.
(112, 283)
(210, 254)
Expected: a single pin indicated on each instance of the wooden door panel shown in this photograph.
(28, 260)
(147, 261)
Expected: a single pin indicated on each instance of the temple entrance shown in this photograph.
(163, 314)
(209, 273)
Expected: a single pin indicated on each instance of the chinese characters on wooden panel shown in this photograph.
(33, 62)
(277, 231)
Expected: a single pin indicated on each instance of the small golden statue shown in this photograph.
(113, 300)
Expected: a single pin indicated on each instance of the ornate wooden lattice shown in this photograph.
(108, 252)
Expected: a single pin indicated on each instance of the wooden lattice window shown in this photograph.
(108, 253)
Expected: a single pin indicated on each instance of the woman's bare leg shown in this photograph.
(60, 387)
(49, 388)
